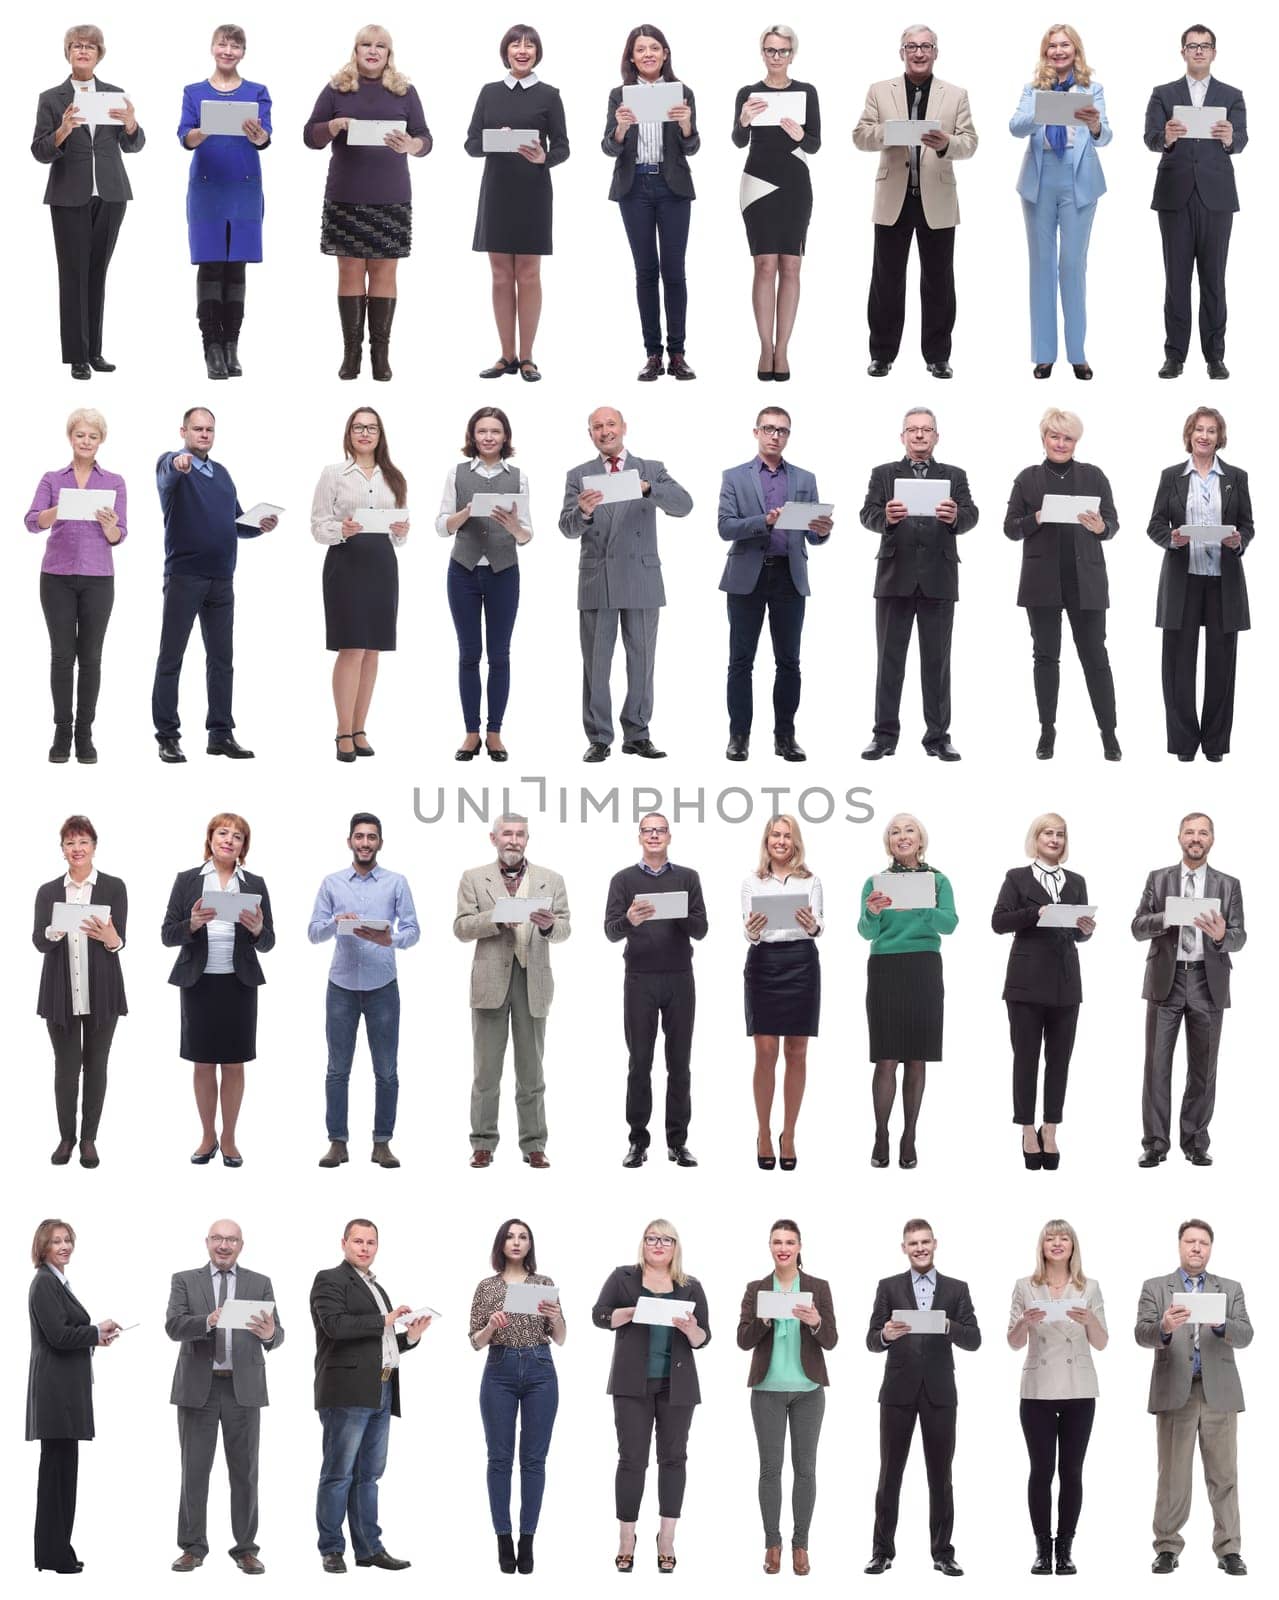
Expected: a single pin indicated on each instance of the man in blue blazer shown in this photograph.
(766, 571)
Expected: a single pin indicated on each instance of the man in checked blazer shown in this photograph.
(1187, 976)
(219, 1382)
(619, 582)
(511, 983)
(1195, 1393)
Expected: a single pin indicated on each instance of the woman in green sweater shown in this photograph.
(904, 992)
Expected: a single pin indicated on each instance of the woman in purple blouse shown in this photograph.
(367, 221)
(77, 582)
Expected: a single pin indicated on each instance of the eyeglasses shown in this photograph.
(774, 53)
(655, 1241)
(773, 431)
(654, 833)
(919, 49)
(365, 427)
(1198, 49)
(225, 1238)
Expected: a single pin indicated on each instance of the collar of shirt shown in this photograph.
(214, 1269)
(621, 458)
(1191, 872)
(1048, 870)
(655, 872)
(525, 82)
(233, 883)
(763, 466)
(201, 464)
(374, 873)
(58, 1274)
(476, 465)
(929, 1277)
(922, 84)
(69, 882)
(1197, 87)
(352, 465)
(512, 874)
(84, 88)
(1213, 471)
(1193, 1285)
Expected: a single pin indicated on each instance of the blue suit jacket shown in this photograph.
(741, 520)
(1090, 183)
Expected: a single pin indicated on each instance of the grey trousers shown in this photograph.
(598, 630)
(489, 1027)
(771, 1412)
(1188, 999)
(198, 1441)
(1176, 1432)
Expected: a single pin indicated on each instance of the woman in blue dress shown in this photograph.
(224, 198)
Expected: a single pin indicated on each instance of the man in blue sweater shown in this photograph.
(200, 509)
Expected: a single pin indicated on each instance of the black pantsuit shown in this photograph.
(647, 999)
(1057, 1433)
(84, 241)
(776, 594)
(1033, 1028)
(212, 600)
(59, 1409)
(886, 310)
(896, 1430)
(55, 1503)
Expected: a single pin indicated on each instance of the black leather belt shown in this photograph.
(647, 167)
(219, 1373)
(1190, 965)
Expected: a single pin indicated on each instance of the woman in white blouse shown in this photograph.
(783, 979)
(361, 574)
(1058, 1318)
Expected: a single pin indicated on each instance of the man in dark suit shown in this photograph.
(919, 1382)
(359, 1339)
(619, 582)
(766, 572)
(1196, 199)
(1187, 976)
(219, 1382)
(916, 584)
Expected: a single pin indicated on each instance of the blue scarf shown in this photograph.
(1056, 133)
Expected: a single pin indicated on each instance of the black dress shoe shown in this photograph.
(948, 1567)
(1152, 1158)
(1215, 758)
(365, 749)
(1043, 370)
(765, 374)
(170, 750)
(1082, 370)
(1198, 1158)
(202, 1157)
(940, 369)
(463, 754)
(62, 1154)
(643, 747)
(1218, 369)
(1233, 1565)
(1164, 1563)
(879, 369)
(1172, 368)
(1047, 741)
(497, 752)
(60, 749)
(347, 756)
(945, 751)
(636, 1155)
(1110, 745)
(875, 751)
(681, 1155)
(877, 1565)
(531, 373)
(232, 1161)
(214, 361)
(99, 365)
(81, 369)
(595, 751)
(333, 1562)
(384, 1560)
(739, 747)
(228, 747)
(651, 370)
(678, 367)
(784, 745)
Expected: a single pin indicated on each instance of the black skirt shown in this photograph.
(904, 1004)
(783, 988)
(366, 233)
(219, 1019)
(361, 593)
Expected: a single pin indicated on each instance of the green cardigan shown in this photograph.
(895, 933)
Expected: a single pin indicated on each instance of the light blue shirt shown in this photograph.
(201, 464)
(1203, 510)
(925, 1287)
(359, 963)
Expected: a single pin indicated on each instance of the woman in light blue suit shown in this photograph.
(1059, 184)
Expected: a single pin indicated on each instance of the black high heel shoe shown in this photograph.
(344, 755)
(1044, 369)
(463, 754)
(664, 1563)
(901, 1155)
(202, 1157)
(524, 1555)
(788, 1163)
(765, 1163)
(1052, 1158)
(1082, 370)
(879, 1155)
(505, 1552)
(368, 749)
(500, 754)
(232, 1161)
(1034, 1159)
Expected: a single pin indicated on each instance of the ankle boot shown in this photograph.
(60, 749)
(524, 1556)
(1066, 1568)
(506, 1552)
(208, 313)
(84, 750)
(381, 315)
(351, 316)
(1043, 1558)
(232, 320)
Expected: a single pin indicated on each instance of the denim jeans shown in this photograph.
(656, 222)
(355, 1439)
(494, 597)
(518, 1383)
(380, 1009)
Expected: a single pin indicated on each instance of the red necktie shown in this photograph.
(615, 463)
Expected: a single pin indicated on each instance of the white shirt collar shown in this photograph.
(68, 882)
(214, 1269)
(211, 866)
(621, 458)
(526, 82)
(352, 465)
(1213, 470)
(58, 1273)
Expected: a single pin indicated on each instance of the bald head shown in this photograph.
(224, 1241)
(608, 430)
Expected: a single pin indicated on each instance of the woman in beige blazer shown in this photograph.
(1058, 1318)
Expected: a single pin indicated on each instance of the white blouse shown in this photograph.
(449, 506)
(343, 491)
(754, 885)
(221, 956)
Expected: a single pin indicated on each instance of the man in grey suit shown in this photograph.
(511, 982)
(1195, 1393)
(619, 581)
(1187, 976)
(219, 1381)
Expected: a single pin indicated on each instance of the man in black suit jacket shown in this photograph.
(1196, 200)
(916, 582)
(359, 1339)
(919, 1382)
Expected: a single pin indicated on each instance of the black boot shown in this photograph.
(232, 319)
(84, 750)
(524, 1557)
(351, 315)
(60, 749)
(208, 313)
(381, 315)
(1066, 1568)
(1043, 1558)
(506, 1552)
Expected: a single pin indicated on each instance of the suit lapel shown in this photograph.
(493, 885)
(897, 94)
(752, 474)
(1036, 891)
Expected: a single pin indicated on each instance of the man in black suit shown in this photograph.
(1196, 199)
(916, 584)
(919, 1382)
(359, 1339)
(1187, 977)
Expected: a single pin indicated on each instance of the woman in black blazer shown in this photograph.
(654, 189)
(86, 194)
(653, 1381)
(81, 989)
(1042, 989)
(218, 973)
(59, 1390)
(1201, 586)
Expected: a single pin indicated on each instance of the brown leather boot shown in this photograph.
(799, 1561)
(336, 1156)
(773, 1559)
(382, 1155)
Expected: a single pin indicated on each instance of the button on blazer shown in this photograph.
(193, 948)
(619, 568)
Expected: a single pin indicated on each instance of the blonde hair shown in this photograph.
(1074, 1267)
(1061, 422)
(84, 33)
(1047, 820)
(661, 1225)
(1045, 76)
(906, 816)
(782, 32)
(88, 416)
(347, 78)
(796, 862)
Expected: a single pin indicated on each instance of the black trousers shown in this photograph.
(886, 310)
(1057, 1433)
(84, 241)
(1089, 630)
(637, 1418)
(55, 1503)
(896, 1430)
(198, 1442)
(1032, 1027)
(185, 599)
(76, 609)
(1188, 727)
(1189, 1000)
(776, 594)
(80, 1049)
(934, 620)
(647, 998)
(1195, 238)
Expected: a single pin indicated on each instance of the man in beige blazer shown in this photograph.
(915, 198)
(511, 982)
(1194, 1393)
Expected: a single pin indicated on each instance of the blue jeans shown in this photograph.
(494, 597)
(355, 1439)
(1057, 233)
(656, 221)
(518, 1383)
(380, 1009)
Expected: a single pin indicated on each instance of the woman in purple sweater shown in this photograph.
(367, 221)
(77, 582)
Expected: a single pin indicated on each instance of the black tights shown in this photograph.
(883, 1088)
(219, 300)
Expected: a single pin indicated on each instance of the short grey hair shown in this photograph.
(918, 411)
(508, 816)
(919, 27)
(782, 32)
(906, 816)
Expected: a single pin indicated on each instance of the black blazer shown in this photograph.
(1195, 164)
(348, 1341)
(1161, 958)
(106, 983)
(919, 552)
(627, 1374)
(1043, 964)
(1040, 583)
(194, 947)
(1169, 513)
(84, 154)
(922, 1362)
(676, 150)
(59, 1379)
(753, 1335)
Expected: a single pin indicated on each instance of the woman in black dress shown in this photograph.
(218, 973)
(361, 575)
(1063, 568)
(776, 197)
(513, 223)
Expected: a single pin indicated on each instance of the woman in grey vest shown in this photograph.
(484, 574)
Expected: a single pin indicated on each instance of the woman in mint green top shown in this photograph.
(904, 990)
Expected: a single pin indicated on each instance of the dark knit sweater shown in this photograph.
(200, 531)
(655, 946)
